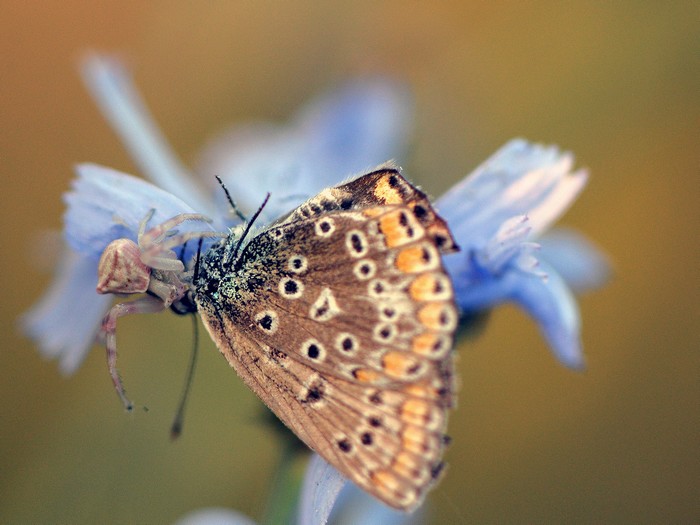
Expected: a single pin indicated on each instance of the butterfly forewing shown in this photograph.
(341, 319)
(384, 186)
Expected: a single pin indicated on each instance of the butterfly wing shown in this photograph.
(342, 323)
(383, 187)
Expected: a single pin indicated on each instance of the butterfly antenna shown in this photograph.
(230, 200)
(176, 427)
(249, 226)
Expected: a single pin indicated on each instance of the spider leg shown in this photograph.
(168, 288)
(157, 233)
(182, 238)
(161, 256)
(142, 305)
(144, 223)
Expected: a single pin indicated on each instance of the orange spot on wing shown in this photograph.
(393, 233)
(421, 391)
(437, 316)
(413, 259)
(423, 343)
(431, 344)
(406, 465)
(414, 439)
(415, 410)
(398, 364)
(365, 375)
(423, 288)
(386, 193)
(385, 480)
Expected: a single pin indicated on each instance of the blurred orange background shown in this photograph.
(616, 83)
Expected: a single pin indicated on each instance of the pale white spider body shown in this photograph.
(121, 269)
(147, 266)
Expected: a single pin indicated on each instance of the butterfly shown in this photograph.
(340, 317)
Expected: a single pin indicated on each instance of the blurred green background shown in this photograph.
(617, 83)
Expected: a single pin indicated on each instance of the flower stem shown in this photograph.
(286, 484)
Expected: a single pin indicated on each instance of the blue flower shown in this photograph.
(495, 213)
(321, 487)
(347, 132)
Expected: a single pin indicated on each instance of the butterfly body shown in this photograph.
(340, 318)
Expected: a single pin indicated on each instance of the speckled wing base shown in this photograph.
(341, 318)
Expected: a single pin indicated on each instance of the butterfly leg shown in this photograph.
(142, 305)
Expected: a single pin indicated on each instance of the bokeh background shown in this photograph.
(617, 83)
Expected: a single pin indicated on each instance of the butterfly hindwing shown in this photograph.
(341, 321)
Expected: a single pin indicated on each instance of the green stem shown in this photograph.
(286, 485)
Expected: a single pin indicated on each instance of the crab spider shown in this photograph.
(147, 266)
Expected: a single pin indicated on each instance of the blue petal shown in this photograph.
(356, 506)
(508, 200)
(355, 128)
(253, 160)
(349, 131)
(521, 178)
(546, 299)
(322, 484)
(66, 319)
(477, 288)
(102, 200)
(551, 303)
(112, 87)
(507, 244)
(214, 516)
(580, 263)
